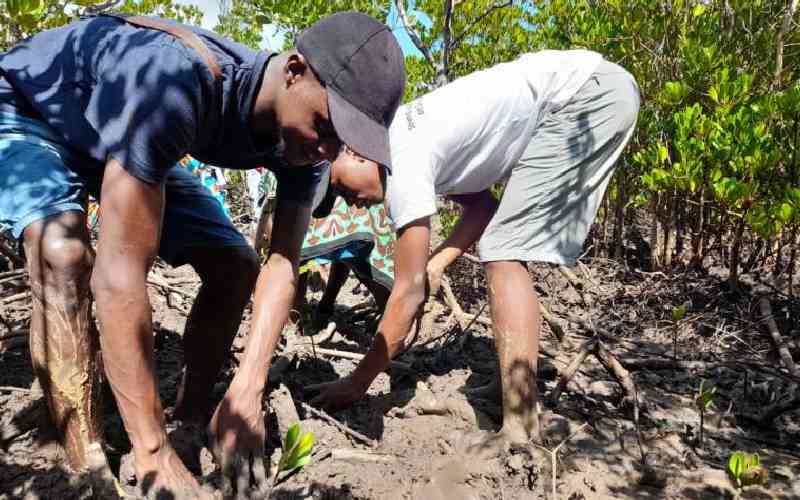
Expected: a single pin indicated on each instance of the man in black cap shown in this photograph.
(107, 105)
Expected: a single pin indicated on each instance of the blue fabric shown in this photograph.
(40, 177)
(142, 97)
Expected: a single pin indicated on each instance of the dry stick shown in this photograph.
(554, 456)
(555, 326)
(353, 455)
(8, 388)
(12, 274)
(327, 418)
(471, 258)
(571, 277)
(615, 368)
(351, 355)
(15, 297)
(775, 335)
(585, 349)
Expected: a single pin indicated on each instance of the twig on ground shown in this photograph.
(327, 418)
(555, 326)
(571, 277)
(775, 335)
(566, 375)
(554, 456)
(23, 390)
(349, 355)
(15, 297)
(12, 274)
(353, 455)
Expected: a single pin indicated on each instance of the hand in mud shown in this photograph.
(236, 437)
(434, 279)
(336, 395)
(163, 475)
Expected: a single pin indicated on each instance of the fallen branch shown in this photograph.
(571, 277)
(16, 297)
(471, 258)
(555, 326)
(611, 364)
(775, 335)
(8, 388)
(12, 274)
(327, 418)
(566, 375)
(353, 455)
(350, 355)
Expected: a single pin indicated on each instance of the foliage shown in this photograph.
(704, 397)
(296, 452)
(22, 18)
(745, 469)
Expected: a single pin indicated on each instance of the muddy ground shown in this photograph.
(447, 453)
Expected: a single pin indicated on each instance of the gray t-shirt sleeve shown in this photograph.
(146, 107)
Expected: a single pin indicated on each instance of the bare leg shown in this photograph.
(63, 339)
(336, 280)
(517, 321)
(228, 275)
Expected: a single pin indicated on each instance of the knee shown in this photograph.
(59, 247)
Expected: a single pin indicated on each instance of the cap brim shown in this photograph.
(324, 197)
(361, 133)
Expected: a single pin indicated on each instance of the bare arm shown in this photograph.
(408, 295)
(126, 249)
(478, 211)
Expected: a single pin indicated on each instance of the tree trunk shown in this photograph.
(619, 219)
(736, 248)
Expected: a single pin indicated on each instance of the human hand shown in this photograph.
(338, 394)
(236, 437)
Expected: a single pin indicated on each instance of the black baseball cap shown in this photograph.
(360, 63)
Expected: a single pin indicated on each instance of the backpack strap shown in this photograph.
(189, 38)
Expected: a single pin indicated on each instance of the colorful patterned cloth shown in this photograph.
(362, 237)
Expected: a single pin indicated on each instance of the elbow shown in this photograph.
(110, 284)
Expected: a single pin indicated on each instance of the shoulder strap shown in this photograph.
(189, 38)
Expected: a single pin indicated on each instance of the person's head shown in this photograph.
(341, 84)
(361, 182)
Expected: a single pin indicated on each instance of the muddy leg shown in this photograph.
(228, 275)
(63, 338)
(516, 321)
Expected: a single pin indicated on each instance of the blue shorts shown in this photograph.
(40, 177)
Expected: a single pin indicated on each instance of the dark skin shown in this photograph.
(515, 310)
(291, 106)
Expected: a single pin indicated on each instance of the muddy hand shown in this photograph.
(163, 475)
(236, 437)
(336, 395)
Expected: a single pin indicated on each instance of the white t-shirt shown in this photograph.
(469, 134)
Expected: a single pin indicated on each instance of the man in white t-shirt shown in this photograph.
(551, 125)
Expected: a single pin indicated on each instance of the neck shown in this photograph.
(263, 119)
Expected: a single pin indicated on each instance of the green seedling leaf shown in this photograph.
(296, 451)
(679, 313)
(746, 469)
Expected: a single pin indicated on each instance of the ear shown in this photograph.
(295, 69)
